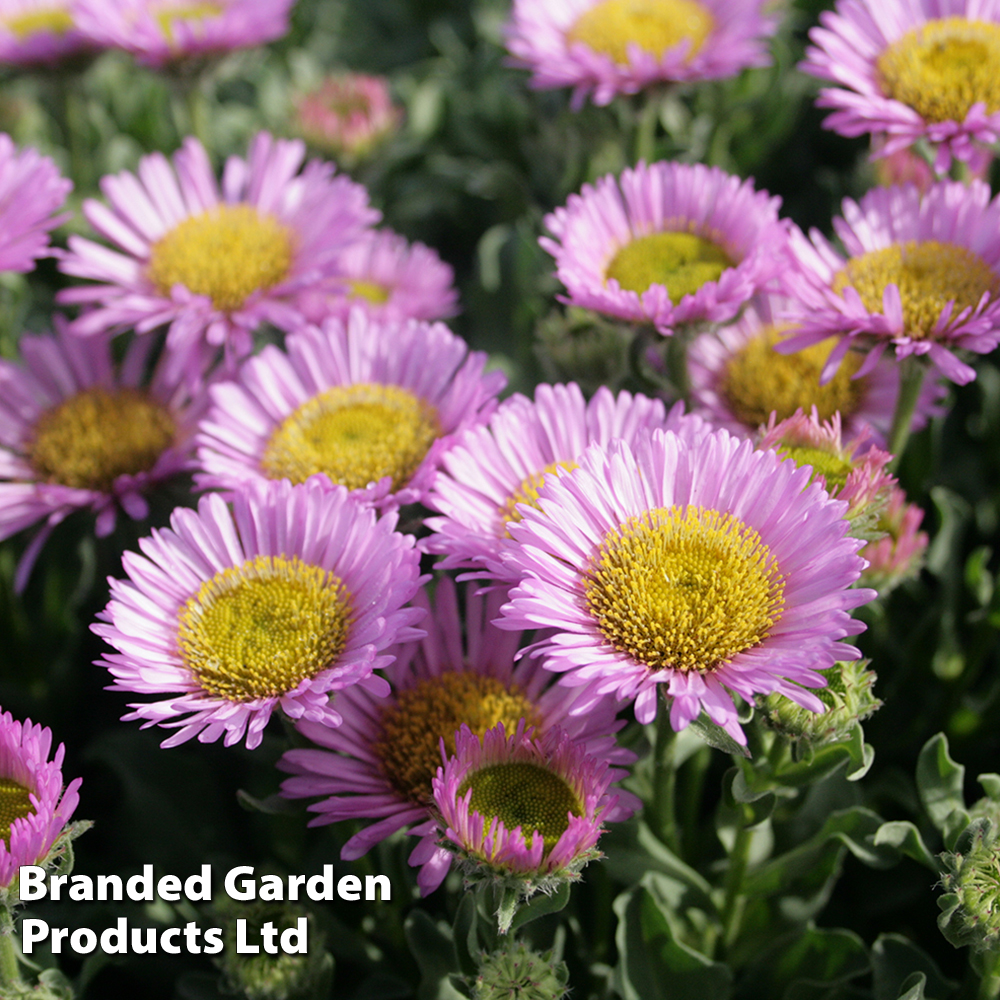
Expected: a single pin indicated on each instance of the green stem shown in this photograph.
(664, 811)
(911, 378)
(645, 133)
(989, 984)
(733, 901)
(677, 366)
(10, 971)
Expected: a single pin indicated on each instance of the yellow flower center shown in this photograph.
(167, 18)
(259, 629)
(928, 274)
(226, 253)
(53, 20)
(525, 795)
(832, 468)
(655, 26)
(411, 730)
(943, 67)
(757, 380)
(527, 493)
(681, 261)
(14, 804)
(90, 439)
(370, 291)
(684, 588)
(356, 434)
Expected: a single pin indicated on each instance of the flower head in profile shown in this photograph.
(738, 380)
(34, 805)
(898, 554)
(913, 69)
(371, 405)
(921, 275)
(32, 191)
(347, 116)
(212, 262)
(670, 244)
(163, 33)
(230, 615)
(493, 469)
(389, 278)
(522, 812)
(78, 432)
(854, 472)
(702, 566)
(36, 32)
(380, 762)
(607, 47)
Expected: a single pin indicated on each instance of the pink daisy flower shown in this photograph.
(40, 31)
(31, 191)
(213, 263)
(34, 805)
(348, 115)
(899, 555)
(608, 47)
(520, 809)
(701, 565)
(78, 432)
(738, 379)
(668, 244)
(493, 470)
(389, 278)
(379, 764)
(921, 274)
(231, 615)
(371, 405)
(160, 32)
(913, 69)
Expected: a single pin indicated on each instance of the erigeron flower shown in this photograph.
(371, 405)
(228, 616)
(213, 262)
(35, 806)
(671, 244)
(32, 191)
(78, 432)
(34, 32)
(700, 565)
(921, 275)
(738, 379)
(388, 278)
(898, 555)
(913, 69)
(378, 764)
(493, 469)
(606, 47)
(163, 33)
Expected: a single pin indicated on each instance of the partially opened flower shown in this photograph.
(40, 31)
(32, 191)
(370, 405)
(494, 469)
(389, 278)
(78, 432)
(213, 263)
(738, 379)
(163, 32)
(608, 47)
(670, 244)
(699, 565)
(899, 554)
(347, 116)
(34, 805)
(229, 616)
(380, 762)
(520, 811)
(921, 275)
(913, 69)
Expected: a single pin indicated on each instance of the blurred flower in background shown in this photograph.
(40, 31)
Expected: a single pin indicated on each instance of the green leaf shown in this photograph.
(939, 781)
(465, 934)
(903, 836)
(715, 736)
(653, 964)
(434, 950)
(540, 906)
(899, 967)
(991, 785)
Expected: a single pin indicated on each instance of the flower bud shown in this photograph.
(517, 971)
(971, 903)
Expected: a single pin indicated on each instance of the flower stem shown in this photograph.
(989, 984)
(733, 901)
(911, 378)
(645, 133)
(677, 366)
(664, 814)
(10, 972)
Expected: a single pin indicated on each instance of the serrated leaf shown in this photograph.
(899, 966)
(903, 836)
(939, 781)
